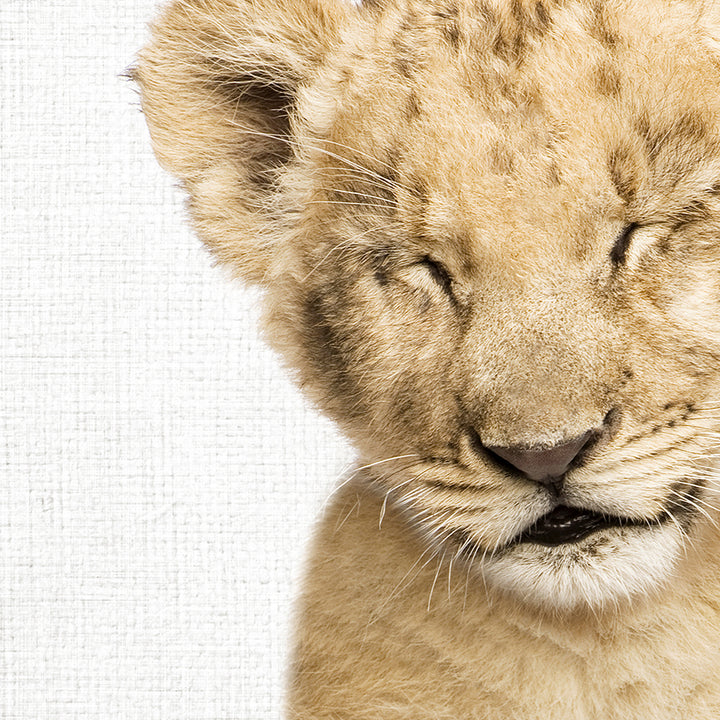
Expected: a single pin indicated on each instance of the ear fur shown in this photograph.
(218, 83)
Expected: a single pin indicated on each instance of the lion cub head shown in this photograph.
(489, 233)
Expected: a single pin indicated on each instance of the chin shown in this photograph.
(604, 570)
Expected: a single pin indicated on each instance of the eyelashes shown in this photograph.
(440, 275)
(619, 251)
(425, 275)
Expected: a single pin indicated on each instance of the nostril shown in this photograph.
(543, 464)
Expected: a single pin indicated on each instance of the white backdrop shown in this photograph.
(159, 473)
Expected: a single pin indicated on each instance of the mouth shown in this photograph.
(565, 525)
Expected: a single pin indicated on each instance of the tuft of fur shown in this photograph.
(479, 224)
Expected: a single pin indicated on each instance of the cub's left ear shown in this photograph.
(218, 84)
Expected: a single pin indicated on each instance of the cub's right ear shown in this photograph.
(218, 84)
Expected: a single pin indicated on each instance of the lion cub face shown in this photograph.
(489, 235)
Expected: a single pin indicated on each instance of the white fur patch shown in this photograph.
(604, 569)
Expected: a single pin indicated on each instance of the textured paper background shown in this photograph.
(159, 473)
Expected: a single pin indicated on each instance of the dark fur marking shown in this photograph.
(408, 408)
(406, 43)
(452, 34)
(682, 501)
(420, 199)
(607, 80)
(533, 21)
(518, 47)
(656, 429)
(381, 261)
(533, 101)
(485, 34)
(621, 167)
(699, 351)
(543, 17)
(412, 107)
(554, 175)
(385, 188)
(690, 409)
(642, 125)
(676, 404)
(263, 168)
(502, 159)
(517, 9)
(509, 44)
(500, 46)
(602, 27)
(328, 356)
(347, 74)
(403, 66)
(689, 127)
(409, 22)
(462, 487)
(450, 25)
(485, 12)
(695, 211)
(373, 6)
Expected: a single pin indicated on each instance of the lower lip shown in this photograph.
(566, 525)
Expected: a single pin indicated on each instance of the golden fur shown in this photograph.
(481, 225)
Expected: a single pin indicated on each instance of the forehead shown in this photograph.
(502, 112)
(505, 60)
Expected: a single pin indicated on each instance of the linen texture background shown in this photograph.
(160, 475)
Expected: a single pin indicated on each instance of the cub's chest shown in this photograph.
(390, 630)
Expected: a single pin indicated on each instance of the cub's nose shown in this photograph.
(543, 465)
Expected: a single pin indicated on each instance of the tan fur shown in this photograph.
(479, 223)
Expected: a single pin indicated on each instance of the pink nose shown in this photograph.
(544, 465)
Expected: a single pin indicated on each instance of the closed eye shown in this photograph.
(440, 275)
(619, 251)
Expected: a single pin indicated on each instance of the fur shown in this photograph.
(479, 224)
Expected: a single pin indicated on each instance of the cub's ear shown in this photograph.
(218, 84)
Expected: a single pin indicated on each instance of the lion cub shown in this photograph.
(489, 235)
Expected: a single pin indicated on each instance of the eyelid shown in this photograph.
(620, 248)
(439, 274)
